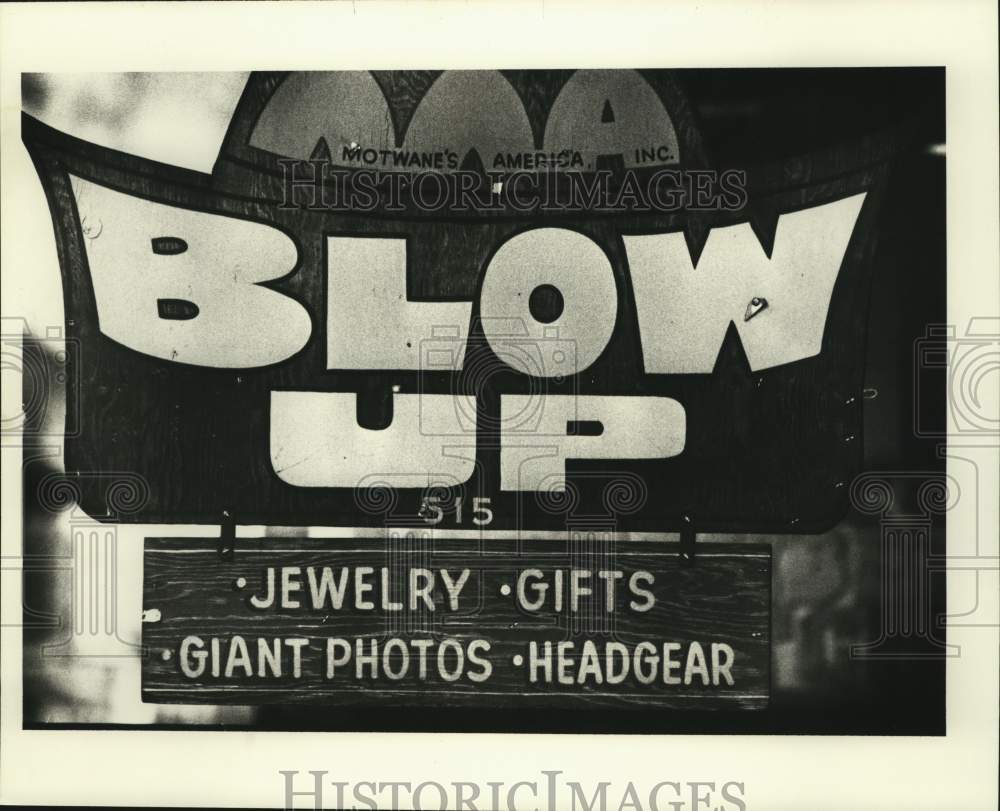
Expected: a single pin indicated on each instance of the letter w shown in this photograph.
(684, 311)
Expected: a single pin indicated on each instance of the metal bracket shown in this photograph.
(227, 536)
(688, 538)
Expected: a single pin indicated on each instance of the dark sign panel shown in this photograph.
(575, 623)
(474, 300)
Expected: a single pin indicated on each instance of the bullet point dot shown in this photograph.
(518, 660)
(241, 582)
(166, 655)
(505, 590)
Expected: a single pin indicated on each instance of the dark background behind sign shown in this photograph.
(826, 588)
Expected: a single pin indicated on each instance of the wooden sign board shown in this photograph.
(426, 622)
(250, 343)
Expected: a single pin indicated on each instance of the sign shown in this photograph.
(474, 301)
(411, 620)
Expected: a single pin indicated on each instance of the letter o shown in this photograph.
(395, 647)
(456, 648)
(577, 267)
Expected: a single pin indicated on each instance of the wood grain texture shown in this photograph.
(723, 596)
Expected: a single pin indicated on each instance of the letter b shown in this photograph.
(183, 285)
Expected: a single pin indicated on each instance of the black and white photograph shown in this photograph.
(599, 418)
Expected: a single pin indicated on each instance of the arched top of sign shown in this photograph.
(314, 112)
(470, 111)
(594, 119)
(612, 114)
